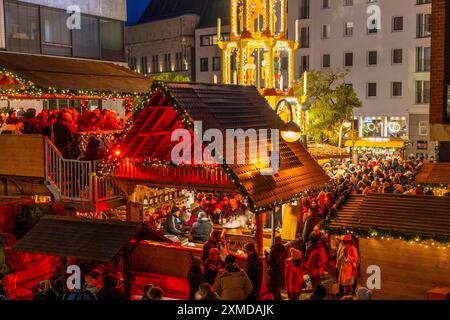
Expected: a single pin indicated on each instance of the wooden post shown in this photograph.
(126, 274)
(260, 248)
(64, 273)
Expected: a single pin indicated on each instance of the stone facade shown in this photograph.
(160, 39)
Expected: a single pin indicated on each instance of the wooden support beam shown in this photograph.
(126, 274)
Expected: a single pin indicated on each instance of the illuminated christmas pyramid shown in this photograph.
(260, 54)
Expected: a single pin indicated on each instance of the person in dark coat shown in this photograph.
(195, 276)
(93, 151)
(30, 124)
(275, 264)
(213, 265)
(109, 291)
(61, 134)
(73, 150)
(201, 230)
(312, 221)
(171, 226)
(254, 269)
(215, 241)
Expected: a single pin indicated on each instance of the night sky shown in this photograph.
(135, 8)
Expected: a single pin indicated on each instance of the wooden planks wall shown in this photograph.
(408, 271)
(22, 156)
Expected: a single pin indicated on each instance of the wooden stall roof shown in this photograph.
(74, 74)
(437, 173)
(224, 107)
(90, 239)
(410, 214)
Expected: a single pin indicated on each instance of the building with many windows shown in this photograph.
(208, 54)
(163, 41)
(75, 29)
(385, 46)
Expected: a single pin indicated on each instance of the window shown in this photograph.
(304, 65)
(203, 64)
(216, 63)
(304, 9)
(111, 39)
(423, 56)
(348, 29)
(371, 89)
(179, 61)
(397, 56)
(372, 58)
(304, 37)
(326, 31)
(423, 128)
(373, 126)
(211, 39)
(206, 41)
(423, 25)
(348, 59)
(86, 40)
(22, 27)
(348, 2)
(325, 4)
(423, 1)
(397, 89)
(155, 64)
(326, 61)
(144, 65)
(397, 24)
(422, 92)
(132, 63)
(167, 62)
(56, 37)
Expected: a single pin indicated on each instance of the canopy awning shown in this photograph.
(89, 239)
(23, 74)
(376, 144)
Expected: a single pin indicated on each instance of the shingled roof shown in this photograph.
(74, 74)
(437, 173)
(410, 214)
(164, 9)
(90, 239)
(224, 107)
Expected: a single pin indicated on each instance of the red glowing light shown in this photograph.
(117, 152)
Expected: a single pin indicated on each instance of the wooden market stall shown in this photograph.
(406, 236)
(87, 239)
(143, 157)
(32, 164)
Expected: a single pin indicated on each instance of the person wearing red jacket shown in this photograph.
(293, 271)
(316, 261)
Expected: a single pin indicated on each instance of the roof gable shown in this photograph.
(224, 107)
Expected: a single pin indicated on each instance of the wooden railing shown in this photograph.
(75, 180)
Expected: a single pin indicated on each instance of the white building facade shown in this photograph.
(388, 65)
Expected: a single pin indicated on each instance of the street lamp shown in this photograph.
(290, 132)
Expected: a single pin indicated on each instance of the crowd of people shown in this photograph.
(31, 122)
(65, 128)
(207, 209)
(379, 174)
(217, 275)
